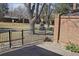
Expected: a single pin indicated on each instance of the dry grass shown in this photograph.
(4, 37)
(14, 25)
(28, 37)
(15, 35)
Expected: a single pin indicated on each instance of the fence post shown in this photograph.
(57, 28)
(10, 38)
(45, 33)
(22, 38)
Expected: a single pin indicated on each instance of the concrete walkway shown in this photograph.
(57, 48)
(31, 51)
(44, 49)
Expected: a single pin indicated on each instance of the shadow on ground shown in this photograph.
(4, 30)
(31, 51)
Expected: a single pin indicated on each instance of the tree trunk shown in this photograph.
(30, 15)
(23, 20)
(32, 25)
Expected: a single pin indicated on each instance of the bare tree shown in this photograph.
(3, 9)
(19, 12)
(30, 9)
(46, 13)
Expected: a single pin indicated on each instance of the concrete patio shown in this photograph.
(30, 51)
(44, 49)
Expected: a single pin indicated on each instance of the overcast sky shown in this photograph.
(14, 5)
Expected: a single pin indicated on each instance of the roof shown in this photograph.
(11, 17)
(73, 13)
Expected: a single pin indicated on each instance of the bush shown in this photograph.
(36, 28)
(47, 39)
(72, 47)
(50, 29)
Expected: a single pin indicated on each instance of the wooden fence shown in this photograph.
(66, 29)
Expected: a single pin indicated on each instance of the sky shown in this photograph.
(39, 1)
(14, 5)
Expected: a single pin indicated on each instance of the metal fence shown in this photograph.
(15, 38)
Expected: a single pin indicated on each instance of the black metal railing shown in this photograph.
(12, 37)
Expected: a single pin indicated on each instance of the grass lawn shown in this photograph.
(16, 26)
(28, 37)
(19, 26)
(4, 36)
(6, 25)
(15, 35)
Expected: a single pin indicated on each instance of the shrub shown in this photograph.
(72, 47)
(47, 39)
(50, 29)
(36, 28)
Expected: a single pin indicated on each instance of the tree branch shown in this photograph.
(28, 6)
(33, 8)
(37, 9)
(41, 9)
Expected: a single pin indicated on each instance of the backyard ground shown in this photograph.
(41, 49)
(31, 51)
(16, 33)
(19, 26)
(34, 44)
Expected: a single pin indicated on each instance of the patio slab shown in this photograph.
(57, 48)
(31, 51)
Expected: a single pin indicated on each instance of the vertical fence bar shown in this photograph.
(45, 34)
(10, 38)
(22, 38)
